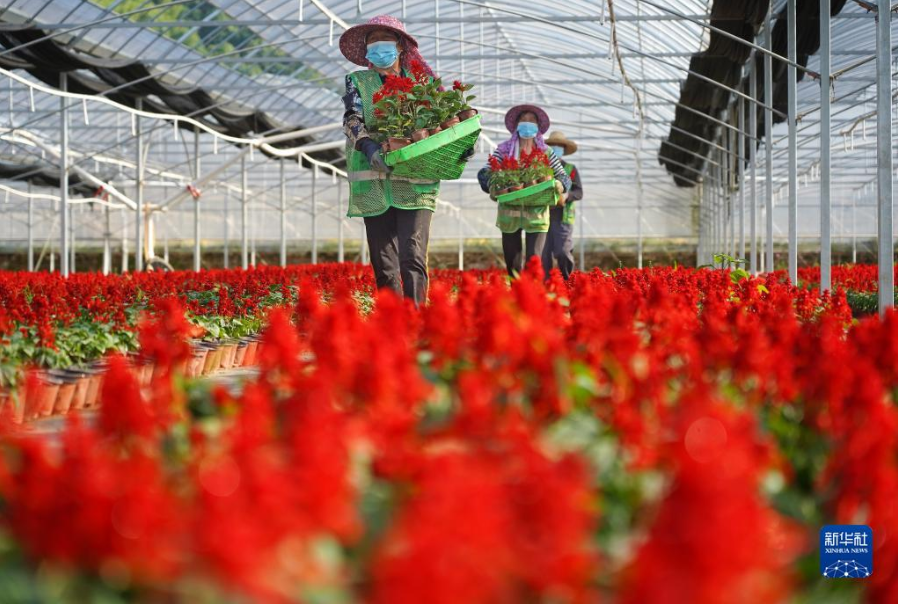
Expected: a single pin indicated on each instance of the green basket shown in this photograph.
(437, 157)
(542, 194)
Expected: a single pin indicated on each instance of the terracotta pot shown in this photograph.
(467, 114)
(81, 387)
(504, 191)
(213, 357)
(252, 353)
(436, 130)
(420, 135)
(398, 143)
(227, 355)
(452, 121)
(93, 390)
(533, 182)
(46, 398)
(240, 353)
(197, 362)
(64, 397)
(546, 178)
(516, 188)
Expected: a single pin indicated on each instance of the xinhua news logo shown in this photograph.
(846, 551)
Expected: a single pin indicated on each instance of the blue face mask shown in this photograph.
(527, 129)
(382, 54)
(559, 151)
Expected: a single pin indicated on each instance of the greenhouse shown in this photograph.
(449, 301)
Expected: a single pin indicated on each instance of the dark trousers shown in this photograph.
(398, 241)
(559, 244)
(511, 247)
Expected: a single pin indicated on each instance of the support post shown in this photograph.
(227, 229)
(364, 246)
(124, 244)
(792, 89)
(768, 142)
(72, 243)
(315, 214)
(283, 255)
(64, 177)
(639, 201)
(340, 243)
(244, 226)
(30, 231)
(753, 160)
(138, 212)
(197, 228)
(825, 148)
(884, 214)
(107, 246)
(740, 176)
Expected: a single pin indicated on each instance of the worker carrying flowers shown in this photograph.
(525, 150)
(560, 239)
(397, 211)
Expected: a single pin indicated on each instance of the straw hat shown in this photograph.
(558, 139)
(515, 113)
(353, 41)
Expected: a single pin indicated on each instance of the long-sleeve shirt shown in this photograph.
(354, 115)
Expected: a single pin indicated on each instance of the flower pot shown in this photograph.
(252, 354)
(466, 114)
(504, 191)
(81, 387)
(46, 398)
(228, 352)
(515, 188)
(398, 143)
(94, 385)
(546, 178)
(452, 121)
(436, 130)
(420, 135)
(64, 397)
(533, 182)
(197, 362)
(240, 353)
(213, 358)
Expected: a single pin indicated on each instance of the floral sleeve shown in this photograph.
(353, 115)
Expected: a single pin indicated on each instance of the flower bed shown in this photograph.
(621, 437)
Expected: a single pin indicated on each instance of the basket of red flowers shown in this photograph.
(425, 131)
(529, 181)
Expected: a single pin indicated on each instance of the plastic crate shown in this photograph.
(542, 194)
(437, 157)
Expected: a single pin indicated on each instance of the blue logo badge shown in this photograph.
(846, 551)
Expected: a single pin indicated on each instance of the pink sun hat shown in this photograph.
(352, 42)
(515, 113)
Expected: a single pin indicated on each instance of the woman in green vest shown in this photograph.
(527, 125)
(397, 211)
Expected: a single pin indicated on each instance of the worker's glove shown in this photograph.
(372, 151)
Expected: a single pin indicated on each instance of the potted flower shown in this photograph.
(505, 175)
(462, 101)
(536, 168)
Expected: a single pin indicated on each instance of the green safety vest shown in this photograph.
(568, 215)
(372, 193)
